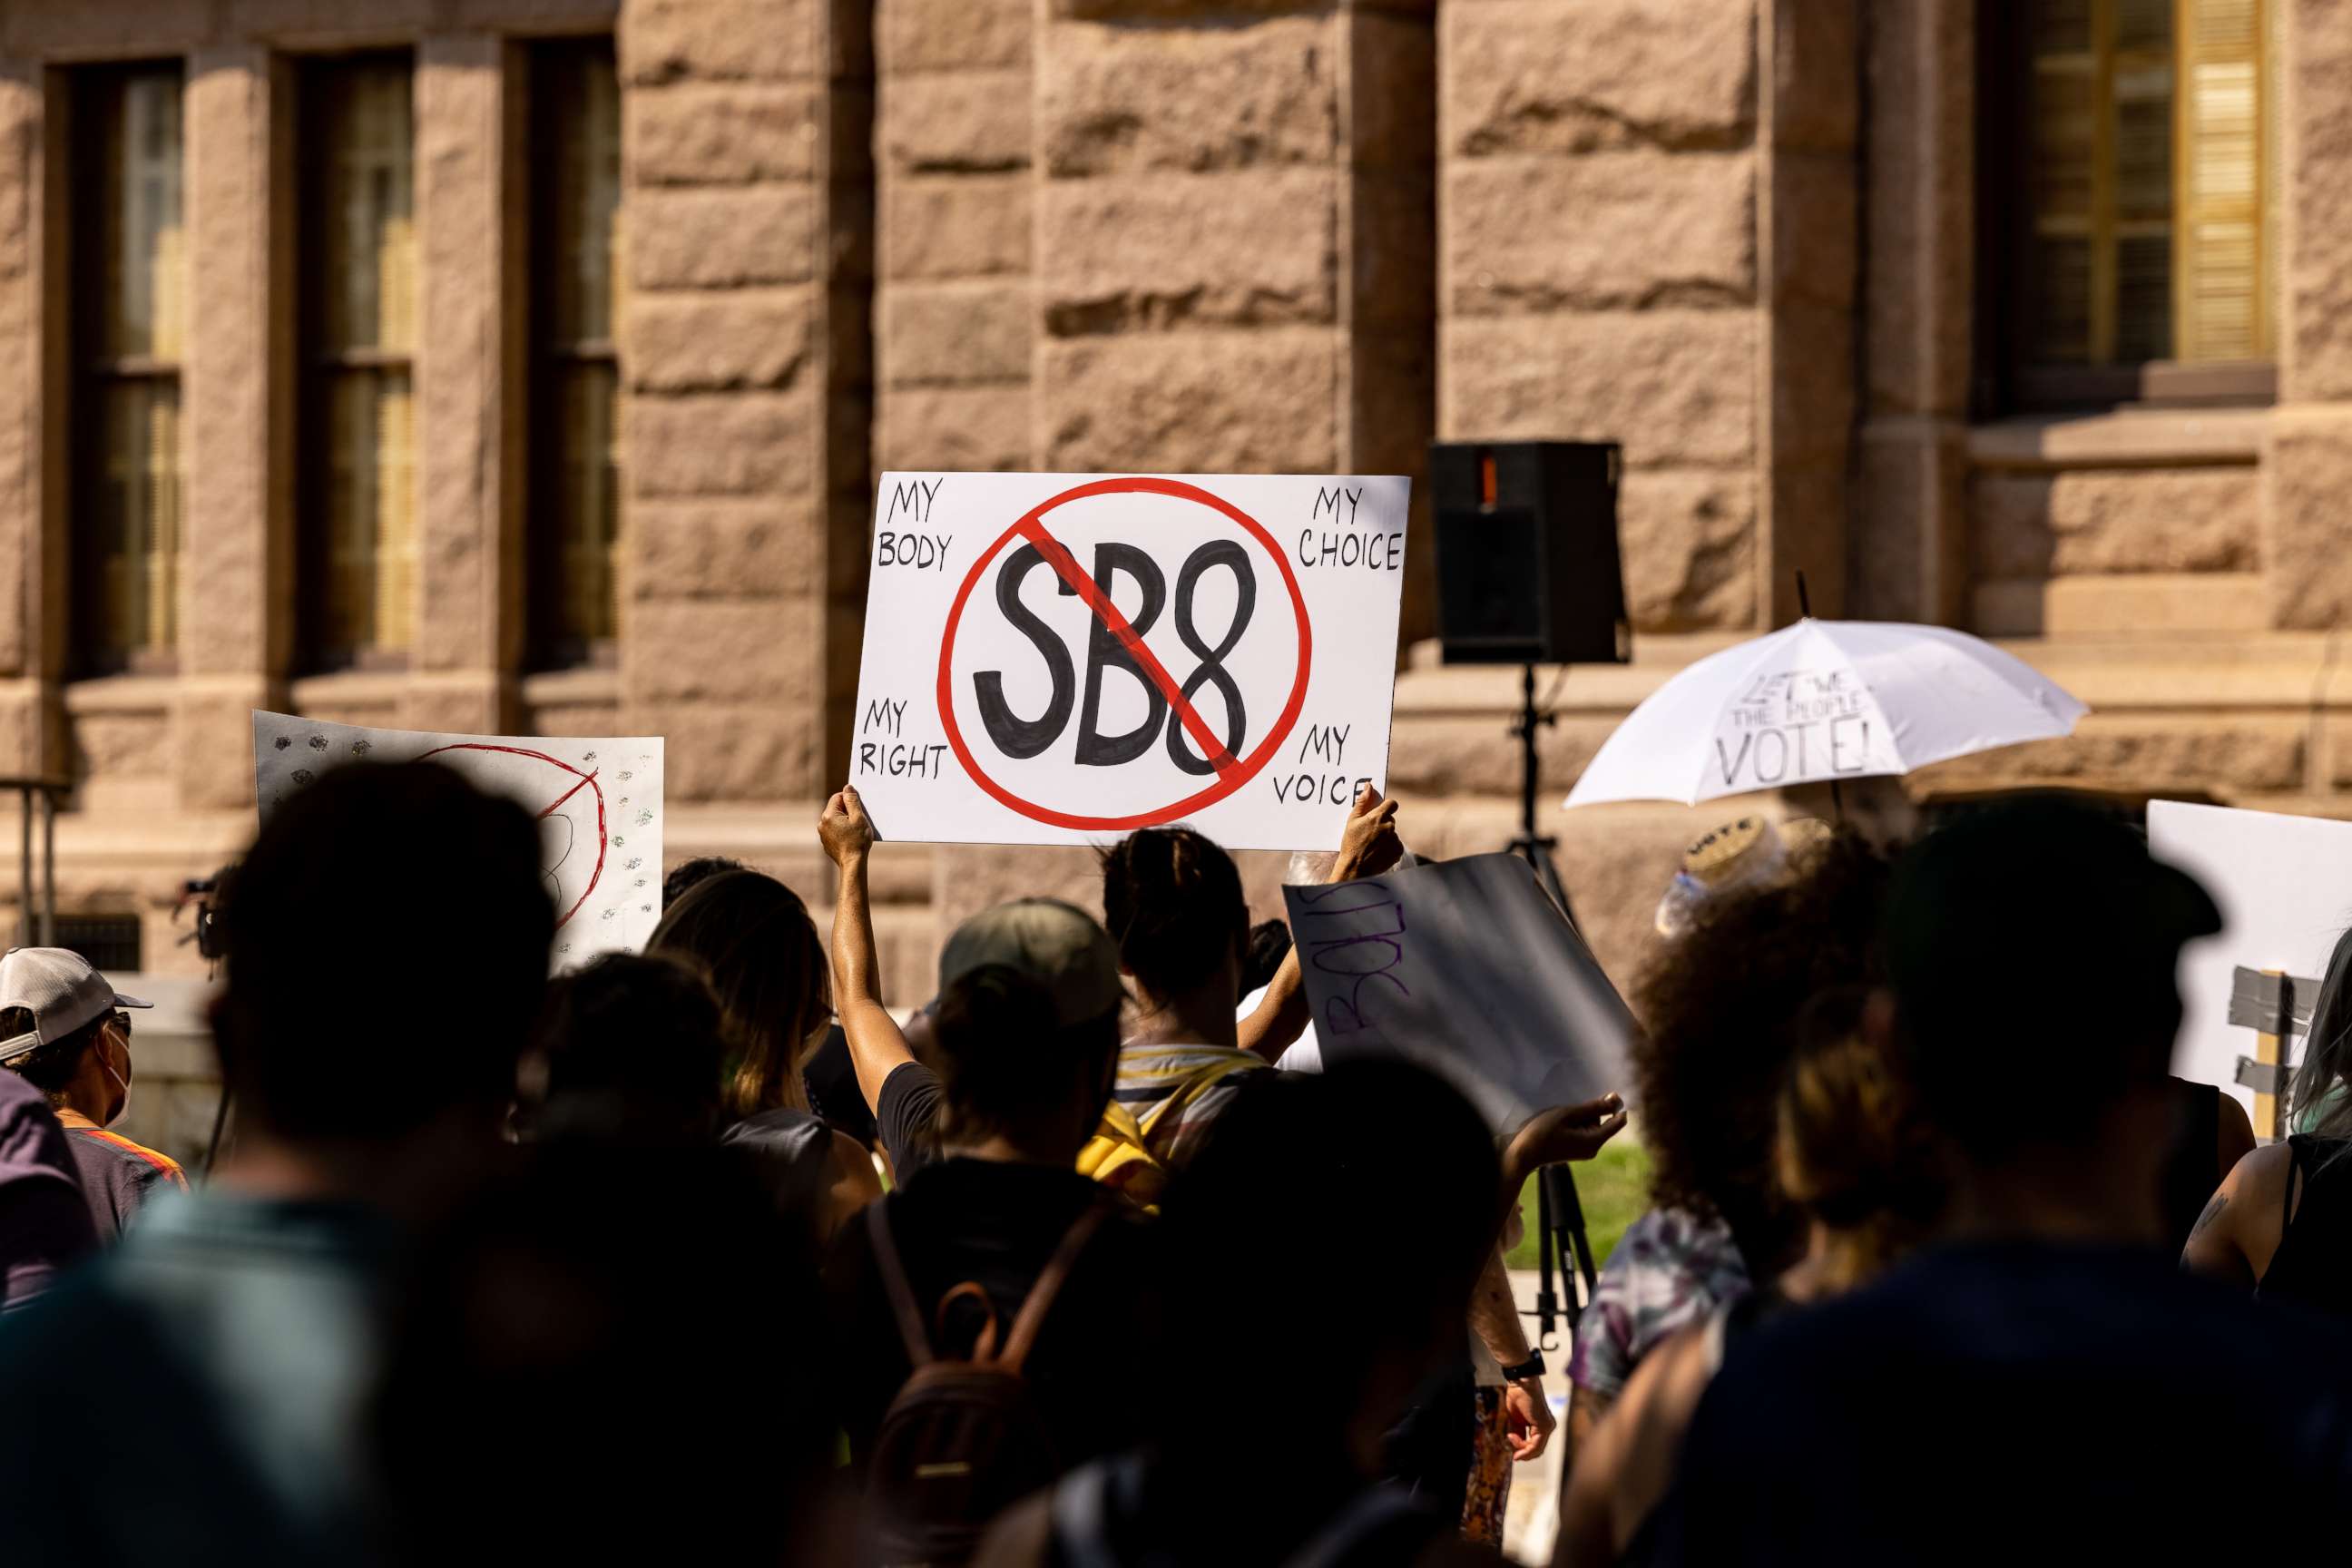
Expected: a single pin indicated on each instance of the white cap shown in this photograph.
(62, 991)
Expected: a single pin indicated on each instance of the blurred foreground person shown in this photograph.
(45, 1225)
(751, 935)
(631, 1047)
(549, 1398)
(200, 1389)
(2281, 1222)
(1850, 1155)
(1265, 1442)
(999, 1254)
(1762, 922)
(2041, 1384)
(64, 1031)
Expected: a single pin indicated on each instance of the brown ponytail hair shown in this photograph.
(753, 936)
(1852, 1150)
(1172, 901)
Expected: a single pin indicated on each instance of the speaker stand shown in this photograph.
(1559, 1215)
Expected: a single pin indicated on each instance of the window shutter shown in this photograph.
(2218, 304)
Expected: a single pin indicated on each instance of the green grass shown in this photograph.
(1614, 1189)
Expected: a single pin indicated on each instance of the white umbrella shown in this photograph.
(1823, 701)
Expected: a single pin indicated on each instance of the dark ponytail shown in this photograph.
(1173, 903)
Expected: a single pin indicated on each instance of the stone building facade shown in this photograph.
(1768, 245)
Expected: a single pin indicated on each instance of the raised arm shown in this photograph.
(1368, 846)
(877, 1048)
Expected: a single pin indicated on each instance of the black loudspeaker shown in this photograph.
(1528, 569)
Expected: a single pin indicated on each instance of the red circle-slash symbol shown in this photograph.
(587, 782)
(1231, 772)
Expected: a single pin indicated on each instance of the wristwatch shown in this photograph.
(1531, 1367)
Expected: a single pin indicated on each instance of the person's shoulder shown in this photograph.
(143, 1166)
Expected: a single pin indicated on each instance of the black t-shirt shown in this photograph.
(906, 1117)
(997, 1225)
(831, 1079)
(2018, 1402)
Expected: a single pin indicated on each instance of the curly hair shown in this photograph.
(1722, 1007)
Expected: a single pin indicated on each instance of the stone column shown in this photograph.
(1807, 239)
(2308, 467)
(27, 726)
(745, 368)
(470, 322)
(1910, 560)
(235, 558)
(1599, 275)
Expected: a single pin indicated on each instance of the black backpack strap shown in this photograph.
(1049, 1284)
(894, 1284)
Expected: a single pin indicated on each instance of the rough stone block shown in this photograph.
(1689, 543)
(1123, 99)
(2159, 752)
(2315, 315)
(1568, 75)
(949, 35)
(951, 428)
(1675, 386)
(2307, 474)
(721, 549)
(696, 133)
(121, 744)
(713, 650)
(721, 239)
(733, 751)
(2116, 520)
(1172, 10)
(1636, 228)
(1438, 757)
(964, 122)
(1225, 250)
(212, 744)
(944, 226)
(953, 333)
(754, 40)
(708, 342)
(1191, 402)
(722, 444)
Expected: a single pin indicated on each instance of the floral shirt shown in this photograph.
(1671, 1269)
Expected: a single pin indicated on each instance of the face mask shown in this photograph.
(120, 1082)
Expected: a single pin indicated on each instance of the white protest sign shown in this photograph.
(1062, 659)
(598, 804)
(1467, 968)
(2283, 885)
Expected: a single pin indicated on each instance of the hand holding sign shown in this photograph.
(1128, 651)
(844, 829)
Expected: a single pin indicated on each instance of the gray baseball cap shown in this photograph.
(62, 991)
(1058, 945)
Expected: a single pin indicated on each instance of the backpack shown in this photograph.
(963, 1439)
(1119, 1154)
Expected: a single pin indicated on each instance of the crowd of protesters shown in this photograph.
(718, 1253)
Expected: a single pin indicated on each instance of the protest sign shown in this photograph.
(1062, 659)
(1467, 968)
(2283, 885)
(598, 805)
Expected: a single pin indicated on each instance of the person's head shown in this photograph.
(752, 937)
(1375, 1162)
(633, 1047)
(63, 1030)
(2030, 950)
(1026, 1032)
(2320, 1099)
(385, 945)
(1852, 1154)
(1721, 1004)
(1173, 903)
(533, 1354)
(1269, 944)
(688, 875)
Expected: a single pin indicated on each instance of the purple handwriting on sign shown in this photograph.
(1367, 950)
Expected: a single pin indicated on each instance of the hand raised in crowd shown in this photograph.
(1369, 844)
(1562, 1134)
(844, 829)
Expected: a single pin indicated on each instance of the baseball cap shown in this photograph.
(60, 989)
(1061, 947)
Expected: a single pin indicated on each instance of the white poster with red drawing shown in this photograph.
(598, 805)
(1062, 659)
